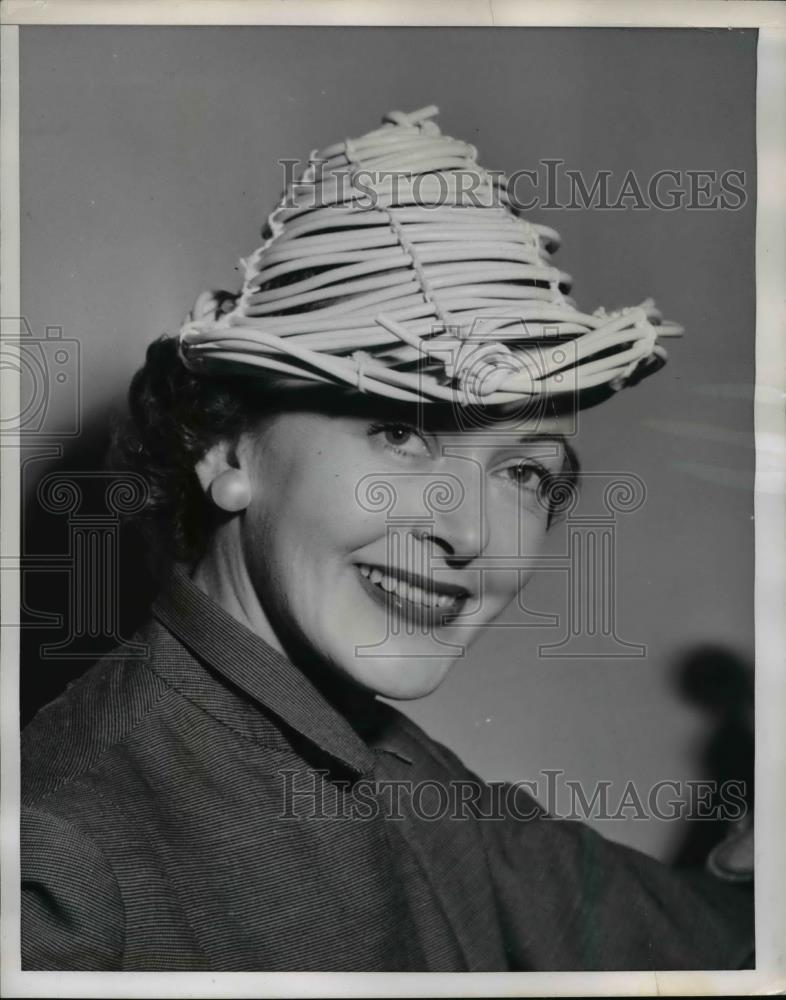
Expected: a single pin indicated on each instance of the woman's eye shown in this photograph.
(401, 438)
(526, 473)
(397, 435)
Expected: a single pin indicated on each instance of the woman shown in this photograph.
(351, 466)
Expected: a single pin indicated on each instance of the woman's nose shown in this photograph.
(462, 528)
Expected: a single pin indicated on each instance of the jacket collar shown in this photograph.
(260, 671)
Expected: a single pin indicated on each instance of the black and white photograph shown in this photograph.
(393, 471)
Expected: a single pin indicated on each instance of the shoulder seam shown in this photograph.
(92, 764)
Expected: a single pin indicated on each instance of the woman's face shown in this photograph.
(381, 548)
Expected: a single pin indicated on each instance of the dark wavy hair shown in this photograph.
(175, 416)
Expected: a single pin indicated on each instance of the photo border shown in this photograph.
(770, 495)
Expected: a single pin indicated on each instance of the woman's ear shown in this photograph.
(224, 481)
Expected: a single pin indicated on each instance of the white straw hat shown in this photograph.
(398, 266)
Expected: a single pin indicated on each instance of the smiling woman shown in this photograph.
(326, 471)
(340, 500)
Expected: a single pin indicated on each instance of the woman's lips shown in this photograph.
(410, 594)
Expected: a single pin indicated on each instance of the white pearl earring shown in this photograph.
(231, 491)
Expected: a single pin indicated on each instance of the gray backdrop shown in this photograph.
(148, 164)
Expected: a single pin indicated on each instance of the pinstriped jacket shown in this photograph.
(205, 808)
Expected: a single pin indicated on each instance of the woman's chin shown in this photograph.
(408, 689)
(402, 678)
(393, 658)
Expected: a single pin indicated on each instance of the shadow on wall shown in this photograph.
(721, 684)
(85, 582)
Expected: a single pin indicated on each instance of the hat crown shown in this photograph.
(397, 264)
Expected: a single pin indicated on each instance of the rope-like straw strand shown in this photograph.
(378, 272)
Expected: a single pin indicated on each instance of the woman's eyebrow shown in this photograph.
(570, 460)
(535, 438)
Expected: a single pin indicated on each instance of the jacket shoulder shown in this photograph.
(70, 734)
(72, 914)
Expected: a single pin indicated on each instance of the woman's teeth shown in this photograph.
(408, 591)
